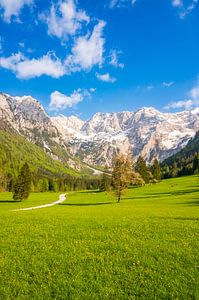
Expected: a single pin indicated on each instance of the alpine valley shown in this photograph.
(146, 132)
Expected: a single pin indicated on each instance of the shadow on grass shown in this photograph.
(143, 197)
(168, 194)
(190, 203)
(178, 218)
(9, 201)
(87, 204)
(89, 192)
(180, 192)
(184, 192)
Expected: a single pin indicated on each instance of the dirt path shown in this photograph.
(62, 198)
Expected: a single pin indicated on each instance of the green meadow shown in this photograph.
(90, 247)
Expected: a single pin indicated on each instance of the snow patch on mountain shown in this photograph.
(147, 132)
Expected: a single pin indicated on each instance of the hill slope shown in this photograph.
(186, 161)
(16, 150)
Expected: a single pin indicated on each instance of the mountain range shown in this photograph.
(147, 132)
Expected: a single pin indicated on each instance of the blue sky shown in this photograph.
(80, 57)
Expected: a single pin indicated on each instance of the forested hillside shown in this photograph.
(185, 162)
(47, 173)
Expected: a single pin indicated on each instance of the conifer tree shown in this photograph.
(196, 164)
(156, 170)
(174, 170)
(105, 181)
(23, 184)
(2, 181)
(141, 168)
(121, 176)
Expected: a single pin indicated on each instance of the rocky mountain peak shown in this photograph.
(147, 132)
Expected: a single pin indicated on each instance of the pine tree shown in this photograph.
(174, 170)
(121, 176)
(2, 181)
(156, 170)
(23, 184)
(141, 168)
(196, 164)
(105, 181)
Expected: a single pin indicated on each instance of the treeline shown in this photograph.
(185, 162)
(47, 174)
(42, 182)
(126, 174)
(50, 175)
(139, 173)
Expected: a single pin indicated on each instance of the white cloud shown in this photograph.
(13, 8)
(25, 68)
(105, 77)
(145, 89)
(185, 104)
(113, 3)
(65, 19)
(177, 3)
(168, 84)
(194, 93)
(92, 90)
(189, 9)
(121, 3)
(11, 62)
(87, 51)
(114, 61)
(21, 44)
(60, 101)
(184, 9)
(1, 44)
(192, 102)
(150, 87)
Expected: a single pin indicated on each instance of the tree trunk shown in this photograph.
(119, 198)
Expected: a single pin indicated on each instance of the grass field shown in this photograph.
(90, 247)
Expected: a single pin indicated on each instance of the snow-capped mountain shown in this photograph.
(147, 132)
(26, 116)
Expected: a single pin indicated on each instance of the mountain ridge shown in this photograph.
(147, 131)
(152, 134)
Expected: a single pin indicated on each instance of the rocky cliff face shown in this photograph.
(26, 116)
(146, 132)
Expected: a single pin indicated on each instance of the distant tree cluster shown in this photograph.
(185, 162)
(145, 173)
(27, 181)
(47, 174)
(126, 174)
(105, 180)
(188, 165)
(22, 186)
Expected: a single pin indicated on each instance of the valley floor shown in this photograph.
(90, 247)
